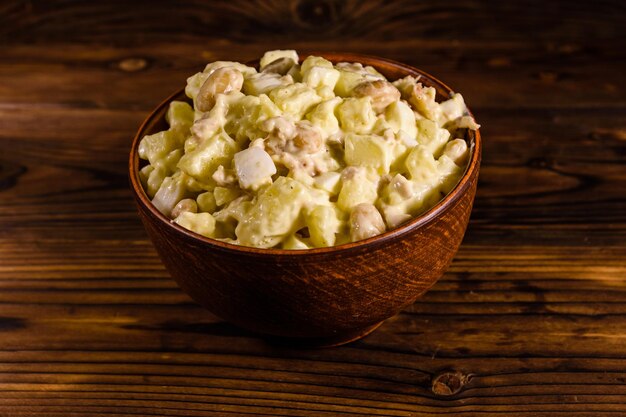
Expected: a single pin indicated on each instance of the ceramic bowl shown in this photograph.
(327, 296)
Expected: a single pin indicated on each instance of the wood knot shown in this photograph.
(11, 323)
(569, 48)
(132, 64)
(608, 133)
(552, 77)
(539, 162)
(499, 62)
(449, 383)
(9, 173)
(316, 13)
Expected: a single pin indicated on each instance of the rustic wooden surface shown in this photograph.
(530, 320)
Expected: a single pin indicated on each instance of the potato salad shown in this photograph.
(300, 155)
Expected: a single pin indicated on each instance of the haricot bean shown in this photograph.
(221, 81)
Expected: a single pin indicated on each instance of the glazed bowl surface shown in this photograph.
(327, 295)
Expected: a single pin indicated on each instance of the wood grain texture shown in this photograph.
(530, 320)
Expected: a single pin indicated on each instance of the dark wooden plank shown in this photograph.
(242, 21)
(574, 74)
(485, 323)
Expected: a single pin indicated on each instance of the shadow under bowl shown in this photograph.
(329, 296)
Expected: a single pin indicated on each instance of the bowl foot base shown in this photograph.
(328, 341)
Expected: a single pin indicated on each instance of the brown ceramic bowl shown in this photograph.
(329, 295)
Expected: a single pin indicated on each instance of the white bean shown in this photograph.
(185, 205)
(280, 66)
(382, 92)
(221, 81)
(457, 151)
(365, 221)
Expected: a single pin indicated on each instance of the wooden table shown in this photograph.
(529, 320)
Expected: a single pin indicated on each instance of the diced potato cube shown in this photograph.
(400, 116)
(323, 116)
(241, 118)
(356, 115)
(423, 100)
(453, 108)
(357, 189)
(180, 116)
(267, 109)
(195, 186)
(171, 191)
(293, 242)
(406, 140)
(239, 208)
(425, 195)
(347, 81)
(155, 179)
(171, 160)
(201, 223)
(244, 120)
(224, 195)
(144, 174)
(302, 176)
(381, 126)
(329, 181)
(405, 85)
(371, 71)
(368, 151)
(271, 56)
(157, 146)
(421, 165)
(275, 215)
(314, 61)
(254, 167)
(323, 225)
(202, 162)
(399, 152)
(295, 99)
(395, 215)
(206, 202)
(398, 190)
(204, 129)
(431, 137)
(318, 77)
(430, 196)
(449, 173)
(325, 92)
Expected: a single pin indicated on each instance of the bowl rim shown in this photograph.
(415, 223)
